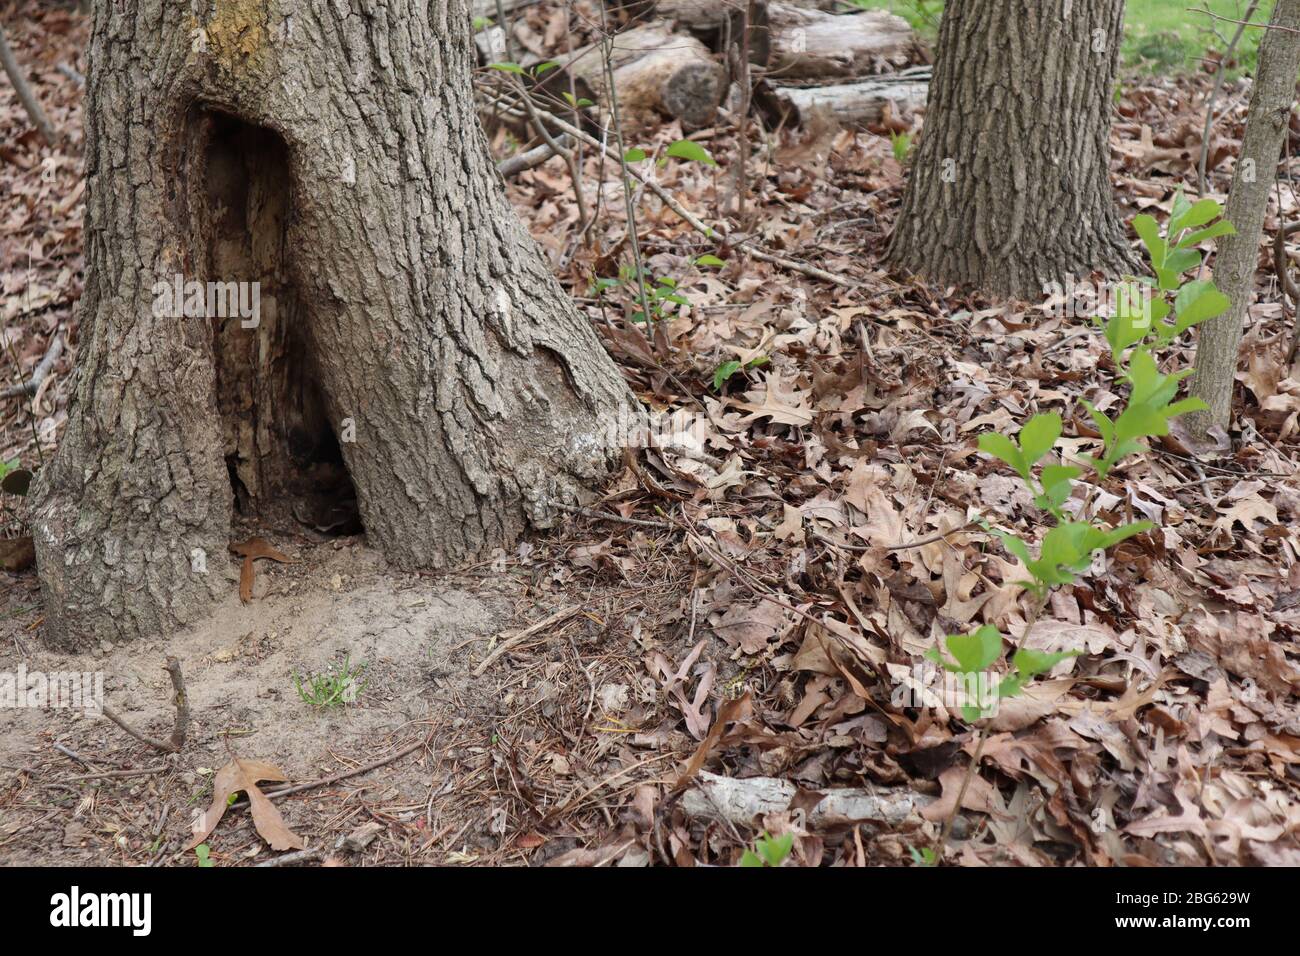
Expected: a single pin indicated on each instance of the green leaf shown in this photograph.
(1196, 302)
(724, 372)
(686, 149)
(1004, 449)
(507, 67)
(1182, 260)
(1186, 405)
(750, 858)
(1148, 231)
(1038, 436)
(1030, 662)
(975, 652)
(1224, 228)
(541, 68)
(1195, 215)
(634, 155)
(709, 260)
(1057, 482)
(776, 849)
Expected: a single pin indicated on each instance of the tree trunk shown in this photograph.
(413, 350)
(1010, 187)
(1252, 180)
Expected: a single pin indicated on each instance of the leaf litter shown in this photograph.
(771, 566)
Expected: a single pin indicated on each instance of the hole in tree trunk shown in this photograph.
(279, 438)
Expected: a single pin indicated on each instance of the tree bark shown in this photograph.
(1252, 180)
(413, 349)
(1010, 187)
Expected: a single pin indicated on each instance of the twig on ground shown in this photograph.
(288, 859)
(607, 516)
(690, 218)
(68, 71)
(275, 794)
(25, 95)
(29, 387)
(514, 165)
(523, 635)
(143, 771)
(177, 740)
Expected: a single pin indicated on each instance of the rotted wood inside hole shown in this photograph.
(281, 438)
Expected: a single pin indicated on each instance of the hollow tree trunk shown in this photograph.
(1009, 189)
(1252, 181)
(412, 347)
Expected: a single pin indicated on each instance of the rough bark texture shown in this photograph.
(332, 152)
(1252, 180)
(1009, 189)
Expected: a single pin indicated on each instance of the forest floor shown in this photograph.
(746, 604)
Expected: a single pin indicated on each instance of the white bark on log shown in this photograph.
(741, 801)
(854, 104)
(657, 70)
(807, 43)
(708, 15)
(488, 8)
(700, 16)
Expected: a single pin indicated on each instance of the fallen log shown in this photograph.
(798, 39)
(488, 8)
(741, 801)
(806, 44)
(656, 70)
(862, 103)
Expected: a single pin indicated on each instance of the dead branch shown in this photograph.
(30, 103)
(523, 635)
(277, 793)
(739, 801)
(29, 387)
(514, 165)
(177, 740)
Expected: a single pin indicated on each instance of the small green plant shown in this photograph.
(1136, 328)
(660, 293)
(203, 854)
(728, 369)
(902, 145)
(341, 684)
(768, 850)
(923, 857)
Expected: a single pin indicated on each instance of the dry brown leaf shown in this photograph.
(252, 549)
(242, 775)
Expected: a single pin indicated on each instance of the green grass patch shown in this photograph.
(1160, 36)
